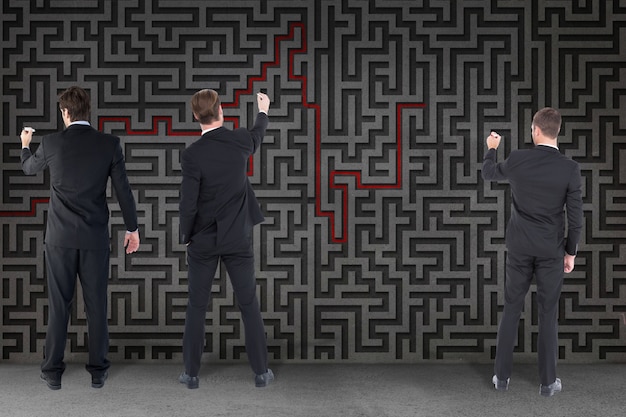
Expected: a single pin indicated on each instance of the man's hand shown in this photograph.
(493, 140)
(263, 101)
(131, 241)
(26, 136)
(568, 263)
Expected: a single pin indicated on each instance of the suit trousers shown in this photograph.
(63, 265)
(239, 263)
(548, 273)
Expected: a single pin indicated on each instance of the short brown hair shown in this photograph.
(549, 121)
(77, 102)
(205, 104)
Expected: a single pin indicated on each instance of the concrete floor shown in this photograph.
(314, 390)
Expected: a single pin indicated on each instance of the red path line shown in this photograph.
(318, 140)
(168, 120)
(34, 202)
(397, 185)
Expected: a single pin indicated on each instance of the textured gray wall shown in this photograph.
(382, 242)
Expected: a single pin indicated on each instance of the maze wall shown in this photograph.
(381, 241)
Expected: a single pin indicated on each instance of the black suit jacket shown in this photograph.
(543, 182)
(217, 201)
(81, 160)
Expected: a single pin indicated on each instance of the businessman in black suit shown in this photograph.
(218, 210)
(81, 160)
(543, 182)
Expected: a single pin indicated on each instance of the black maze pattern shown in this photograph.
(381, 240)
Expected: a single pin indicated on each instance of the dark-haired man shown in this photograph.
(543, 182)
(80, 160)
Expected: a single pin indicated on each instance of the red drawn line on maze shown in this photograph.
(235, 103)
(319, 212)
(34, 202)
(154, 131)
(397, 185)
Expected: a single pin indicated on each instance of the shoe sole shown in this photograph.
(550, 393)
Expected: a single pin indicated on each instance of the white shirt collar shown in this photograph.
(551, 146)
(80, 122)
(208, 130)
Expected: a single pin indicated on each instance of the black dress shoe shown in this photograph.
(191, 381)
(500, 384)
(98, 381)
(263, 380)
(53, 384)
(550, 390)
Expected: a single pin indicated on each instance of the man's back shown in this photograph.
(216, 195)
(542, 181)
(221, 156)
(80, 160)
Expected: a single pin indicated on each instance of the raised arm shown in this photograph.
(31, 163)
(492, 171)
(261, 122)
